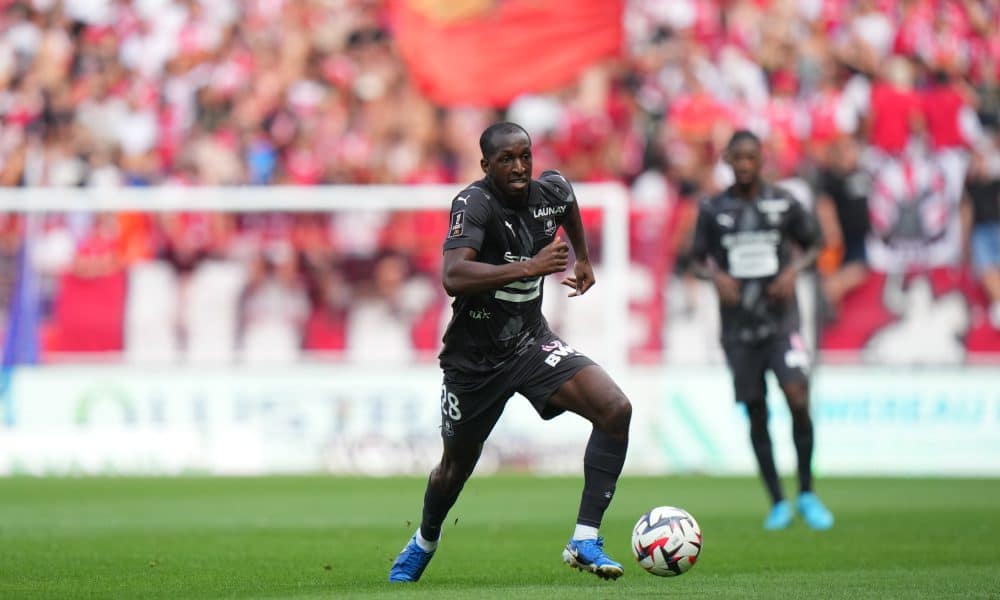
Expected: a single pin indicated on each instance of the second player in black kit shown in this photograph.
(502, 241)
(748, 236)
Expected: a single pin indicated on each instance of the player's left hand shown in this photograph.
(582, 278)
(783, 286)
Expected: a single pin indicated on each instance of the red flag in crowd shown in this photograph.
(486, 52)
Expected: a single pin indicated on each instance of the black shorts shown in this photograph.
(783, 354)
(471, 405)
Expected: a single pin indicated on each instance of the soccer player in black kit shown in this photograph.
(502, 242)
(745, 237)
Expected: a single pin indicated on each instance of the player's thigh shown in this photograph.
(470, 409)
(790, 363)
(555, 377)
(747, 366)
(594, 395)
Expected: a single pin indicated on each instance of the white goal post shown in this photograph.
(610, 198)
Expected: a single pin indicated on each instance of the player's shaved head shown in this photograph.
(487, 141)
(742, 135)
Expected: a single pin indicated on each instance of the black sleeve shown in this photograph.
(803, 226)
(470, 212)
(558, 185)
(701, 245)
(825, 183)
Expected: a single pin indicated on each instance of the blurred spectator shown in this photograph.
(380, 322)
(89, 307)
(893, 107)
(842, 211)
(949, 112)
(331, 293)
(274, 307)
(981, 220)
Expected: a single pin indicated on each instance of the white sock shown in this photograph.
(584, 532)
(426, 545)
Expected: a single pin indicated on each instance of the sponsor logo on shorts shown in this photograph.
(798, 356)
(557, 351)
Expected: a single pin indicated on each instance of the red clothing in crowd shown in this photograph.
(942, 105)
(893, 111)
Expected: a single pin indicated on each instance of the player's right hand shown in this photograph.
(727, 287)
(553, 258)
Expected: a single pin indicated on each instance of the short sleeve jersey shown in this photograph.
(752, 241)
(488, 328)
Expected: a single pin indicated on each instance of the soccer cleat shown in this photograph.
(588, 555)
(780, 516)
(410, 563)
(814, 513)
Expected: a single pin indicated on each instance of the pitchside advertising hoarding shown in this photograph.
(106, 420)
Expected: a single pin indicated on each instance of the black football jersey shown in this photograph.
(752, 241)
(488, 328)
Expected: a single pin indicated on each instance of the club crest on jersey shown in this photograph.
(773, 209)
(725, 221)
(457, 224)
(550, 227)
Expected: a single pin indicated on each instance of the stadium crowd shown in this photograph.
(262, 92)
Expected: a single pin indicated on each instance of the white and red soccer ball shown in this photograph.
(666, 541)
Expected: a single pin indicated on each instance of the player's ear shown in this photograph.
(485, 164)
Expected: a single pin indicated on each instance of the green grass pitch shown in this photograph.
(327, 537)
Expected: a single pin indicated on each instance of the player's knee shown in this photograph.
(618, 415)
(456, 467)
(797, 395)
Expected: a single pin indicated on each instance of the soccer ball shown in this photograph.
(666, 541)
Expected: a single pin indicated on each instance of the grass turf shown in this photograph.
(322, 537)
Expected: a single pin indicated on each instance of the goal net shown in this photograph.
(264, 275)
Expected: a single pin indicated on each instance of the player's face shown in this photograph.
(745, 158)
(509, 168)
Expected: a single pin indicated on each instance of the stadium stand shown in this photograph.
(261, 92)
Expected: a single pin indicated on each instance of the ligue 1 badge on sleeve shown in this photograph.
(457, 224)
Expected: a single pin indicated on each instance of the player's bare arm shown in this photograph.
(583, 272)
(727, 287)
(463, 274)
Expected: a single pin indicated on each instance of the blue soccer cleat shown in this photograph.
(814, 513)
(410, 563)
(780, 516)
(588, 555)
